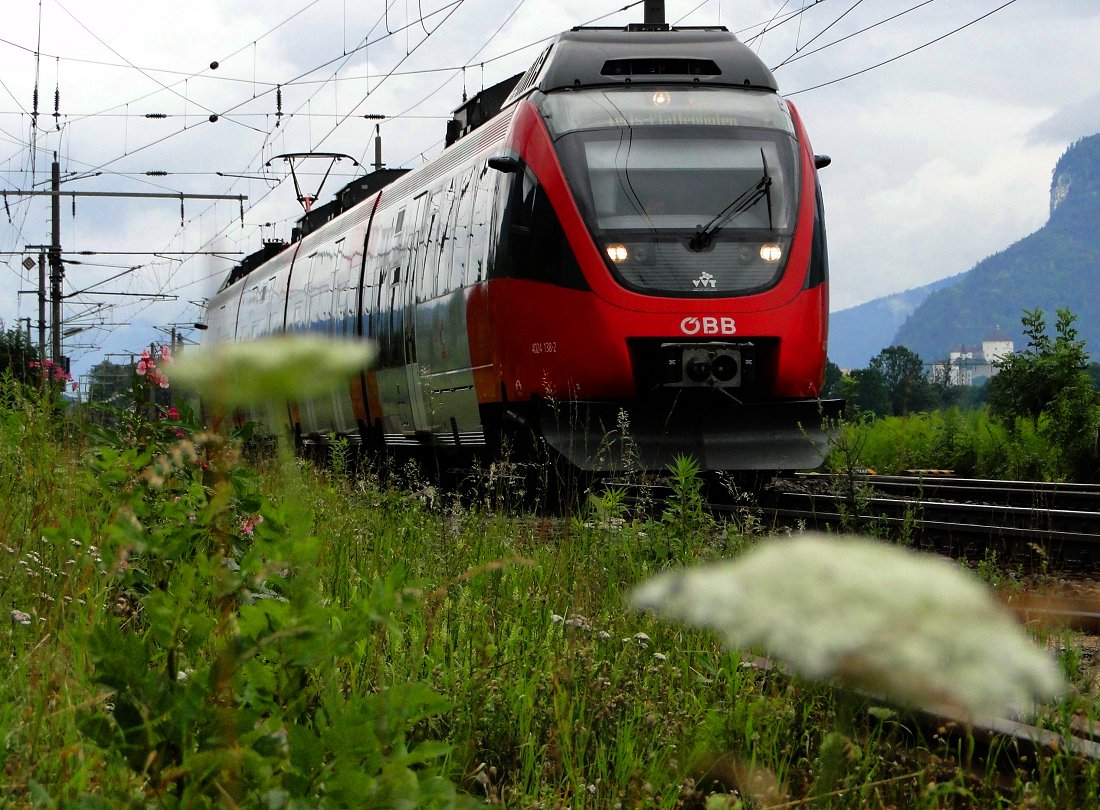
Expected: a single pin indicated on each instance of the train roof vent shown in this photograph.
(660, 67)
(529, 79)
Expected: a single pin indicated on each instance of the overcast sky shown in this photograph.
(942, 150)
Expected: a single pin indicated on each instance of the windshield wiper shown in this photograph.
(760, 190)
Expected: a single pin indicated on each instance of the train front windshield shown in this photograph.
(687, 191)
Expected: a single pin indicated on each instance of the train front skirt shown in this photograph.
(613, 437)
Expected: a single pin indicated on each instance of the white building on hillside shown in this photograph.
(973, 365)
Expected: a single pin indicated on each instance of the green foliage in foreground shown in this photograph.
(971, 443)
(1047, 387)
(188, 630)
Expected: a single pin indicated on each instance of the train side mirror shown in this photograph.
(821, 161)
(508, 165)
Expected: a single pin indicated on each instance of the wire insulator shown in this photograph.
(155, 115)
(278, 104)
(157, 173)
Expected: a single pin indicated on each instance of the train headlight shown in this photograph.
(662, 99)
(771, 252)
(617, 253)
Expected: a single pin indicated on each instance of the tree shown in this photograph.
(833, 376)
(1049, 384)
(864, 391)
(108, 380)
(17, 354)
(907, 387)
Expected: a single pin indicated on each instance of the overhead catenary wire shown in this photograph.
(923, 45)
(436, 12)
(819, 34)
(794, 57)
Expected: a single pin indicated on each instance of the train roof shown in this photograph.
(602, 57)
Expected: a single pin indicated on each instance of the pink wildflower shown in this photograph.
(141, 368)
(248, 524)
(76, 385)
(166, 354)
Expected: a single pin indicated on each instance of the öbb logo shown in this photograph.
(708, 326)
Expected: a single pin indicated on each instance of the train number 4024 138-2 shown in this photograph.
(544, 347)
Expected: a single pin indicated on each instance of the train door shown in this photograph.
(427, 210)
(339, 327)
(398, 377)
(313, 320)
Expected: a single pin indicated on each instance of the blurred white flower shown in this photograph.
(19, 617)
(272, 369)
(913, 627)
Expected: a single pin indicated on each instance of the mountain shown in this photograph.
(1057, 266)
(859, 333)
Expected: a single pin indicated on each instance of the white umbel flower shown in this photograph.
(272, 369)
(912, 627)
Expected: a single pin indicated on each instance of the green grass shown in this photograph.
(971, 443)
(303, 674)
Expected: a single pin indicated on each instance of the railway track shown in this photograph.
(1054, 524)
(1024, 521)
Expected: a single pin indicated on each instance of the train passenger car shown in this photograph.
(621, 254)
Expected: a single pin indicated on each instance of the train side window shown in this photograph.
(428, 261)
(482, 233)
(532, 241)
(818, 272)
(461, 244)
(452, 266)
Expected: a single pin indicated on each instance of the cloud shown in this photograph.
(1071, 122)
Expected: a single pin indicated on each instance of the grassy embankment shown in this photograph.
(358, 648)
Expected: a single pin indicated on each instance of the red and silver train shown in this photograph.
(620, 253)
